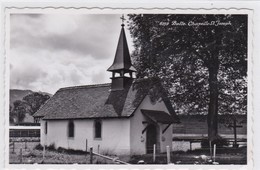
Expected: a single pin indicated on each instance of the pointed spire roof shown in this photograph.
(122, 59)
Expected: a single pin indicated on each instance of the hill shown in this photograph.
(27, 103)
(16, 94)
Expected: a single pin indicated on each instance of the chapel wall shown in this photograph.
(138, 140)
(114, 138)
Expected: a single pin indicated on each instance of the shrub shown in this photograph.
(73, 151)
(51, 147)
(30, 155)
(70, 151)
(38, 147)
(61, 150)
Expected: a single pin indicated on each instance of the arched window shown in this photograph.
(46, 127)
(98, 128)
(71, 129)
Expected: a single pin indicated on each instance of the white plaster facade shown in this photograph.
(120, 136)
(138, 140)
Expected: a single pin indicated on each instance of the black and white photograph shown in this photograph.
(128, 88)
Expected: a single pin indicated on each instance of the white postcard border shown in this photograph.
(120, 8)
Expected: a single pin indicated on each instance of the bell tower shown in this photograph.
(122, 68)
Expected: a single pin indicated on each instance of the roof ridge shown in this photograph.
(85, 86)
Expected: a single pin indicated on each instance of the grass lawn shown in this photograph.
(30, 155)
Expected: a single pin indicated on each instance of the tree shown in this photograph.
(201, 60)
(19, 110)
(29, 104)
(35, 101)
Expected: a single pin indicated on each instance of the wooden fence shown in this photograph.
(116, 160)
(25, 132)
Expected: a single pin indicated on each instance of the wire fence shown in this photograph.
(24, 133)
(29, 151)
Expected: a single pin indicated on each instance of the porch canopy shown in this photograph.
(159, 116)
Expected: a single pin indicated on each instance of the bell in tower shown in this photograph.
(122, 68)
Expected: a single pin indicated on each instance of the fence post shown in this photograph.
(214, 153)
(13, 147)
(86, 151)
(21, 155)
(91, 155)
(98, 149)
(210, 149)
(86, 145)
(154, 152)
(43, 154)
(168, 154)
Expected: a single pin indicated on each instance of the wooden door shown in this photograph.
(151, 135)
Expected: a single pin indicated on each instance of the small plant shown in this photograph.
(73, 151)
(61, 150)
(70, 151)
(51, 147)
(38, 147)
(31, 155)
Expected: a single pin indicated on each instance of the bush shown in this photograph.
(51, 147)
(38, 147)
(30, 155)
(73, 151)
(219, 141)
(61, 150)
(70, 151)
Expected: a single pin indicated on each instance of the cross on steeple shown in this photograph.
(123, 19)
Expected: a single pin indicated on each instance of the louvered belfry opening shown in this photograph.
(122, 68)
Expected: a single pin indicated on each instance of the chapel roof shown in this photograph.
(95, 101)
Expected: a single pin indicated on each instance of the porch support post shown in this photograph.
(166, 128)
(144, 129)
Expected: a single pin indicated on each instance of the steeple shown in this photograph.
(122, 68)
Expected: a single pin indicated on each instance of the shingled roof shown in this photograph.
(93, 101)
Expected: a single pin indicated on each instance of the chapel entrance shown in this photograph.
(151, 135)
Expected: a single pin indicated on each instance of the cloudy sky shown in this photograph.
(50, 51)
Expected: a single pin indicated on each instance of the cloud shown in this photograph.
(85, 34)
(49, 51)
(49, 73)
(98, 77)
